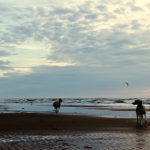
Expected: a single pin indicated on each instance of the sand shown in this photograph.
(32, 131)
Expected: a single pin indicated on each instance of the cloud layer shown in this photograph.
(92, 45)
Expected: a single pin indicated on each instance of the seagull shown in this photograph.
(127, 83)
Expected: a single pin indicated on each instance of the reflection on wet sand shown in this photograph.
(142, 140)
(75, 141)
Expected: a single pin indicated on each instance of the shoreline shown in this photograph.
(103, 108)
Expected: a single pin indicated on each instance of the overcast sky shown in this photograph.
(74, 48)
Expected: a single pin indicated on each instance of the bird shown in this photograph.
(57, 105)
(127, 83)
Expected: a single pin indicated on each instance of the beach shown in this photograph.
(31, 131)
(81, 124)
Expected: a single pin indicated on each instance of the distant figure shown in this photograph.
(140, 111)
(57, 105)
(127, 83)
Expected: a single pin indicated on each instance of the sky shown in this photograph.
(74, 48)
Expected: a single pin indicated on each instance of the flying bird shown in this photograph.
(127, 83)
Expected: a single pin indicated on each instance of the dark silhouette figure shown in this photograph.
(140, 111)
(57, 105)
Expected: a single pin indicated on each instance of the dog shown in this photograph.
(57, 105)
(140, 112)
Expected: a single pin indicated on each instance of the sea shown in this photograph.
(100, 107)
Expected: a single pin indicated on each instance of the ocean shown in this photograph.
(100, 107)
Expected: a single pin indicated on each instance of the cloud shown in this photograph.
(4, 63)
(4, 53)
(27, 47)
(133, 7)
(102, 7)
(73, 81)
(73, 40)
(92, 16)
(86, 45)
(7, 72)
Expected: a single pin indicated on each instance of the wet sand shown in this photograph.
(31, 131)
(35, 121)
